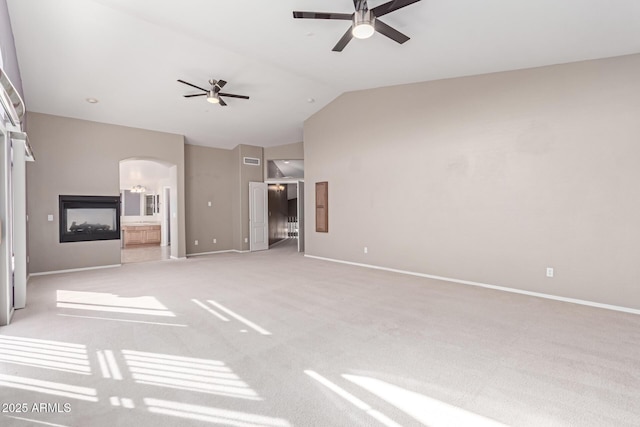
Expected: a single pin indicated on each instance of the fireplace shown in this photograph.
(85, 218)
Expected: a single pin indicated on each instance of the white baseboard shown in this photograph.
(218, 252)
(486, 285)
(71, 270)
(212, 253)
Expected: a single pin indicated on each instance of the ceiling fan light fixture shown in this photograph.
(363, 31)
(213, 97)
(363, 24)
(138, 189)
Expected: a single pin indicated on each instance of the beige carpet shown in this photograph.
(145, 253)
(273, 339)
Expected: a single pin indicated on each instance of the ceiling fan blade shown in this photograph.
(221, 83)
(199, 94)
(390, 32)
(189, 84)
(230, 95)
(391, 6)
(360, 4)
(346, 38)
(323, 15)
(222, 103)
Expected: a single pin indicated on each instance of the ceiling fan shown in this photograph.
(213, 94)
(364, 21)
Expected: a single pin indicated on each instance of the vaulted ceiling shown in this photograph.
(128, 54)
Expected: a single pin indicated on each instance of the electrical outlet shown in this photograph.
(246, 240)
(209, 204)
(49, 217)
(549, 271)
(215, 240)
(366, 250)
(196, 243)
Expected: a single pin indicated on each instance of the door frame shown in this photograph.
(301, 215)
(6, 230)
(300, 185)
(165, 215)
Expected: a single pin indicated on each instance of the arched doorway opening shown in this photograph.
(148, 191)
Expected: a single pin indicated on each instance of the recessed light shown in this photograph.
(286, 162)
(311, 100)
(92, 100)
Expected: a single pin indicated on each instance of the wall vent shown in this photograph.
(253, 161)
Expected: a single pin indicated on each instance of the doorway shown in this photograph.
(145, 191)
(286, 213)
(14, 153)
(286, 201)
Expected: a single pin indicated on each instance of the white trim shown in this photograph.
(176, 257)
(72, 270)
(485, 285)
(218, 252)
(11, 101)
(211, 253)
(282, 181)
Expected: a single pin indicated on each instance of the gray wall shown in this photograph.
(293, 207)
(489, 179)
(219, 175)
(81, 157)
(7, 46)
(209, 178)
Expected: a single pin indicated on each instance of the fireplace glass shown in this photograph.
(85, 218)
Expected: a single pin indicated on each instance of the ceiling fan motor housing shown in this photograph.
(363, 17)
(363, 26)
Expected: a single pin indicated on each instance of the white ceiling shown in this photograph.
(129, 53)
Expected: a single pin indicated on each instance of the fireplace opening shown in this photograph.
(86, 218)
